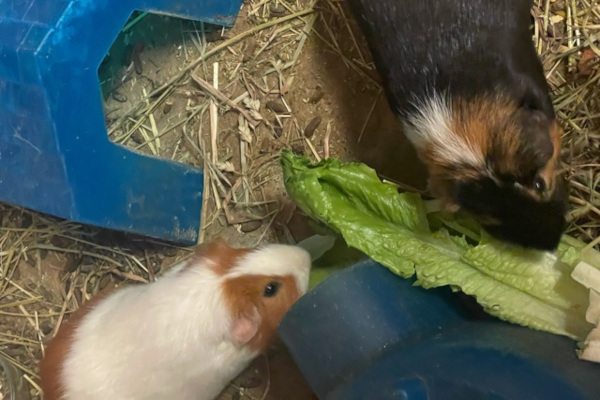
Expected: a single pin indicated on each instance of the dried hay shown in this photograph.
(227, 106)
(567, 35)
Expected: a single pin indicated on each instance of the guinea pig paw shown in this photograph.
(450, 206)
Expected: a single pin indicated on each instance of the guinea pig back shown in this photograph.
(465, 80)
(185, 336)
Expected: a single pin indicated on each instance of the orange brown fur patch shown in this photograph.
(489, 122)
(220, 253)
(245, 293)
(549, 173)
(59, 347)
(490, 125)
(480, 123)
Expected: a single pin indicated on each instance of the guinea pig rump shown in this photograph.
(51, 365)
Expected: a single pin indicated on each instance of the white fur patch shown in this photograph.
(164, 340)
(276, 260)
(431, 125)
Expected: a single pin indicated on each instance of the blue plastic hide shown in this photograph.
(55, 156)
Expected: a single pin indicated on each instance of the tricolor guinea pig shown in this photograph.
(183, 337)
(465, 80)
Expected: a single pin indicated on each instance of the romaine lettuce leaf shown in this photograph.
(526, 287)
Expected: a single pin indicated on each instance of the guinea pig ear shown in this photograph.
(208, 249)
(535, 132)
(222, 256)
(445, 191)
(245, 326)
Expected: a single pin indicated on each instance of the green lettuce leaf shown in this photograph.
(526, 287)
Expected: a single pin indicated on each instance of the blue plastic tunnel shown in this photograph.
(367, 334)
(55, 156)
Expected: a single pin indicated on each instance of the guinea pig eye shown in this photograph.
(539, 184)
(271, 289)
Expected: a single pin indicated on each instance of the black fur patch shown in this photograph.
(464, 48)
(522, 220)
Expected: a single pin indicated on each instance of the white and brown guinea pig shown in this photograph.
(183, 337)
(464, 78)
